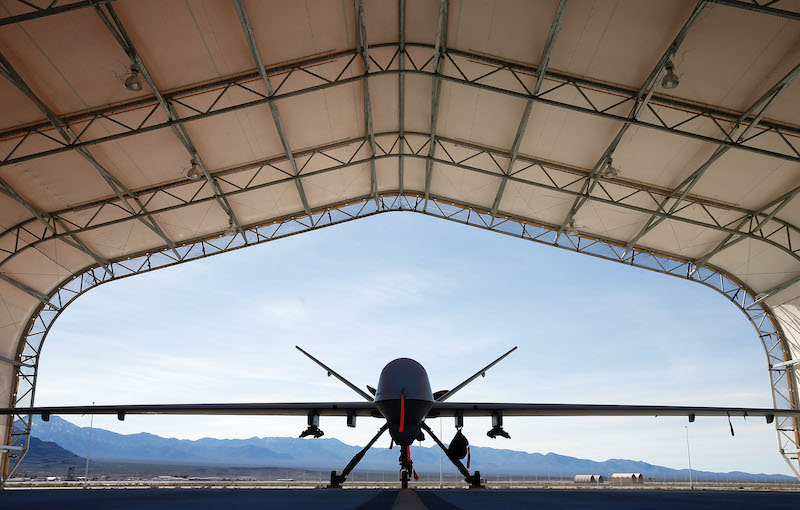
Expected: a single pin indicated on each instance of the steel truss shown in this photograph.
(369, 127)
(114, 25)
(247, 27)
(756, 225)
(759, 315)
(437, 62)
(464, 68)
(544, 61)
(66, 133)
(644, 95)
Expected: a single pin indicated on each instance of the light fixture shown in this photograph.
(195, 173)
(132, 81)
(572, 228)
(670, 80)
(231, 230)
(610, 171)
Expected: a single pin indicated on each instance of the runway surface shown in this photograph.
(294, 499)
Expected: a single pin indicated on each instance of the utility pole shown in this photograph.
(88, 452)
(689, 456)
(440, 453)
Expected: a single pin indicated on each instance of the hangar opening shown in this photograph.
(650, 134)
(356, 309)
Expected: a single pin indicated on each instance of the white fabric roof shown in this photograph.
(61, 207)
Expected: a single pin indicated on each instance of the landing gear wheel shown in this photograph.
(404, 479)
(475, 481)
(336, 481)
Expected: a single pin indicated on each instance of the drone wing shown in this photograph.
(274, 409)
(514, 409)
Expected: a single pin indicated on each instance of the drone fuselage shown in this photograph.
(404, 398)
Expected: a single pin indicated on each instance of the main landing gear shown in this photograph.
(336, 479)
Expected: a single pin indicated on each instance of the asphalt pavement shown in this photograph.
(322, 499)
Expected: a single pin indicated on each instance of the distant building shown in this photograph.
(71, 474)
(620, 479)
(588, 479)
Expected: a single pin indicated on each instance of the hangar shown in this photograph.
(136, 135)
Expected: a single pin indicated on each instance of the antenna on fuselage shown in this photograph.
(478, 373)
(331, 372)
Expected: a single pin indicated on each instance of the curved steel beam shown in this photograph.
(439, 48)
(247, 27)
(767, 8)
(114, 25)
(617, 192)
(643, 98)
(695, 113)
(762, 105)
(369, 125)
(66, 132)
(544, 61)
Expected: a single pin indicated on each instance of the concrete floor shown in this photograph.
(295, 499)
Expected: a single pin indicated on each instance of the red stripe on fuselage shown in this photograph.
(402, 411)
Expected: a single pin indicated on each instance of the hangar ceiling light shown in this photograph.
(670, 80)
(231, 230)
(610, 171)
(132, 81)
(194, 173)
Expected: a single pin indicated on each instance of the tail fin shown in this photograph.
(479, 372)
(331, 372)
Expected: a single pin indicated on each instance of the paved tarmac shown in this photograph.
(294, 499)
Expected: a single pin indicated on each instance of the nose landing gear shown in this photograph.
(406, 466)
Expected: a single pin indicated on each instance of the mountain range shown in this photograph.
(327, 454)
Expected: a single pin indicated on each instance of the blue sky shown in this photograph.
(452, 297)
